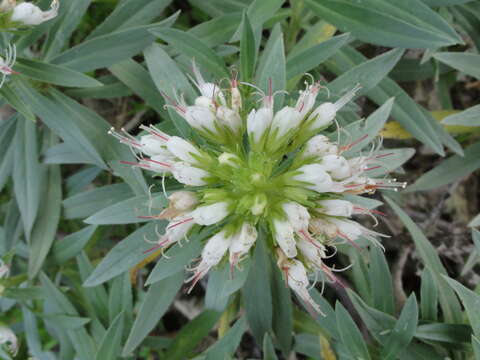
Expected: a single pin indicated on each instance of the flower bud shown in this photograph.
(258, 122)
(285, 120)
(319, 145)
(336, 207)
(236, 98)
(183, 200)
(206, 102)
(189, 175)
(242, 242)
(347, 228)
(283, 235)
(210, 214)
(183, 150)
(152, 145)
(260, 202)
(4, 269)
(297, 215)
(337, 166)
(313, 253)
(321, 226)
(30, 14)
(229, 118)
(200, 117)
(8, 338)
(229, 159)
(316, 176)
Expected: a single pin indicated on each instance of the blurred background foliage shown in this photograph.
(80, 286)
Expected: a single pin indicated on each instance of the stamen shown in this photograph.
(349, 146)
(347, 97)
(179, 223)
(158, 162)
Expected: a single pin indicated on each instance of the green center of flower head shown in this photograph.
(253, 168)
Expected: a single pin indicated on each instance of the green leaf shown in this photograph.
(282, 322)
(227, 345)
(349, 334)
(120, 298)
(447, 333)
(271, 68)
(390, 24)
(248, 50)
(27, 174)
(310, 58)
(126, 254)
(110, 346)
(381, 282)
(428, 296)
(106, 50)
(45, 228)
(444, 2)
(462, 61)
(470, 300)
(448, 301)
(218, 30)
(257, 296)
(476, 347)
(403, 331)
(194, 48)
(451, 169)
(54, 74)
(268, 349)
(66, 322)
(11, 96)
(469, 117)
(129, 211)
(191, 334)
(155, 304)
(71, 245)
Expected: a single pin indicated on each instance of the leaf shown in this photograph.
(451, 169)
(469, 117)
(268, 349)
(444, 2)
(476, 347)
(129, 211)
(71, 245)
(227, 345)
(156, 302)
(381, 282)
(389, 24)
(45, 228)
(428, 296)
(306, 60)
(54, 74)
(124, 255)
(403, 331)
(248, 50)
(462, 61)
(17, 102)
(271, 68)
(191, 334)
(448, 301)
(349, 334)
(110, 346)
(194, 48)
(67, 322)
(282, 322)
(218, 30)
(120, 298)
(27, 174)
(447, 333)
(257, 296)
(106, 50)
(470, 300)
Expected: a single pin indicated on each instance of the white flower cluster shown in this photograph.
(28, 14)
(244, 185)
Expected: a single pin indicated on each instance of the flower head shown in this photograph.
(256, 169)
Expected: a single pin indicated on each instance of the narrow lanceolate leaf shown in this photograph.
(462, 61)
(469, 117)
(228, 344)
(454, 168)
(27, 174)
(381, 282)
(126, 254)
(310, 58)
(388, 23)
(154, 305)
(476, 347)
(110, 347)
(45, 228)
(428, 297)
(268, 349)
(248, 50)
(470, 300)
(54, 74)
(448, 301)
(350, 335)
(194, 48)
(11, 96)
(71, 245)
(403, 330)
(444, 2)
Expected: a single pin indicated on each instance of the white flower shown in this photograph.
(200, 117)
(258, 121)
(286, 119)
(298, 281)
(183, 150)
(30, 14)
(8, 338)
(7, 5)
(236, 96)
(7, 63)
(283, 235)
(316, 177)
(319, 145)
(229, 118)
(320, 226)
(242, 242)
(4, 269)
(210, 214)
(212, 253)
(325, 113)
(183, 200)
(151, 145)
(313, 253)
(336, 165)
(336, 207)
(208, 90)
(188, 174)
(176, 230)
(306, 100)
(297, 215)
